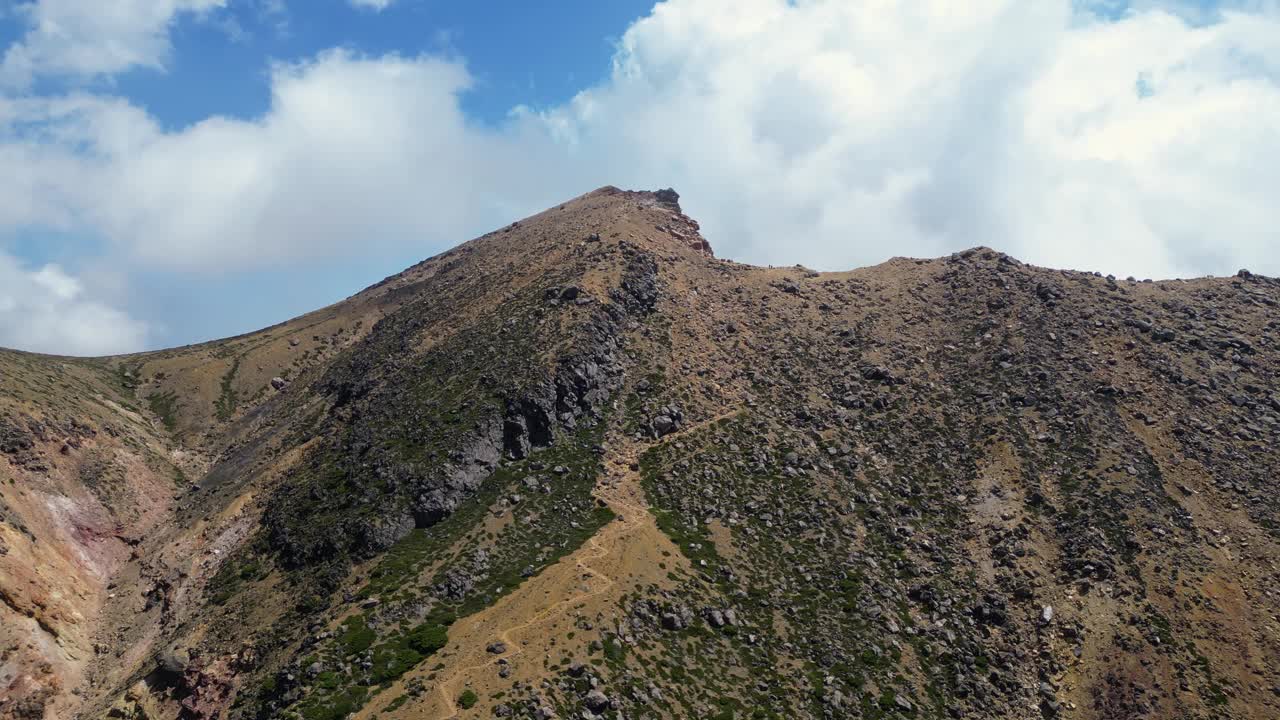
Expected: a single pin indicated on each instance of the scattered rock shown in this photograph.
(597, 701)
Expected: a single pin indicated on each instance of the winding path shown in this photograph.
(621, 492)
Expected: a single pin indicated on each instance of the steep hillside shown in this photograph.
(579, 467)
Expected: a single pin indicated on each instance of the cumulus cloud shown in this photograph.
(355, 152)
(839, 133)
(1140, 140)
(91, 37)
(48, 310)
(824, 132)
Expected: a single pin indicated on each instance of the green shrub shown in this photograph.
(428, 638)
(468, 699)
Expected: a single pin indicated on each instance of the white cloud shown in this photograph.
(375, 5)
(47, 310)
(837, 133)
(353, 153)
(824, 132)
(829, 133)
(93, 37)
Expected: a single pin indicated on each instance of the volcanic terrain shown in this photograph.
(581, 468)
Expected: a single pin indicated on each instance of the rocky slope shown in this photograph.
(579, 467)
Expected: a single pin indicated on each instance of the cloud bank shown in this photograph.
(1143, 141)
(46, 310)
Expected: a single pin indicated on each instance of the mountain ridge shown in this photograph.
(553, 464)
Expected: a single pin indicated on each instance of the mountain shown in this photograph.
(579, 467)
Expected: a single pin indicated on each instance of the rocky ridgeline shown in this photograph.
(963, 487)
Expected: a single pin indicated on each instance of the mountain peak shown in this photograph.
(576, 468)
(650, 218)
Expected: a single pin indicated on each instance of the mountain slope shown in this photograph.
(579, 465)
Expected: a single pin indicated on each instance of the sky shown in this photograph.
(173, 171)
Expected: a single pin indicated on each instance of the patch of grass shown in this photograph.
(335, 706)
(231, 578)
(356, 636)
(164, 405)
(1163, 629)
(126, 378)
(614, 651)
(229, 397)
(692, 539)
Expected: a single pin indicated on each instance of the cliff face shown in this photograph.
(579, 465)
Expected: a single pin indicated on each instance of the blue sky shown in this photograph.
(519, 52)
(179, 170)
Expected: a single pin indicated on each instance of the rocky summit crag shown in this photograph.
(581, 468)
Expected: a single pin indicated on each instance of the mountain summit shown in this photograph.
(580, 468)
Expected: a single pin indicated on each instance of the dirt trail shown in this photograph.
(630, 549)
